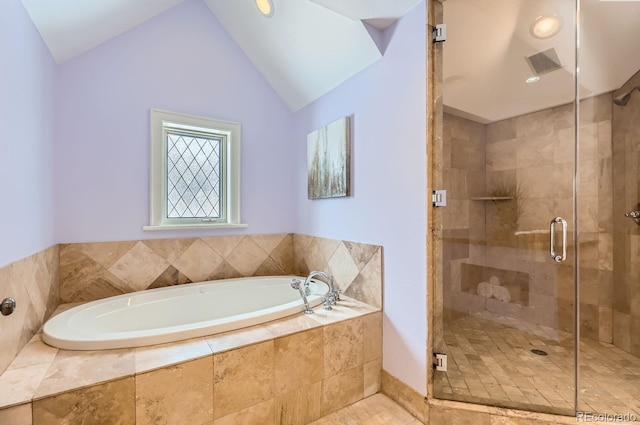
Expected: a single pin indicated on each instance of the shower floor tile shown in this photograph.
(490, 362)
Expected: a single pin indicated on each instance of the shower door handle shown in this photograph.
(552, 231)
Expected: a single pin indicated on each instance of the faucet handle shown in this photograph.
(328, 301)
(336, 295)
(295, 283)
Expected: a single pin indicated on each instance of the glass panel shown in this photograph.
(506, 318)
(193, 176)
(608, 151)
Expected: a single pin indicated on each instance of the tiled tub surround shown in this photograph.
(289, 371)
(90, 271)
(33, 282)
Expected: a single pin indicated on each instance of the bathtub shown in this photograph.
(174, 313)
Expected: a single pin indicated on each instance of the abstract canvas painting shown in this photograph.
(328, 160)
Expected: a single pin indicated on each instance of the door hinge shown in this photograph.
(439, 198)
(440, 362)
(439, 33)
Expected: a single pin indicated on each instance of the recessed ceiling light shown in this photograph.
(546, 26)
(532, 79)
(265, 7)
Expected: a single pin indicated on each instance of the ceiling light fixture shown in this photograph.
(533, 79)
(265, 7)
(546, 26)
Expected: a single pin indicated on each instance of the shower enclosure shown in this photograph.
(537, 251)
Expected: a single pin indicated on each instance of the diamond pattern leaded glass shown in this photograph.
(193, 176)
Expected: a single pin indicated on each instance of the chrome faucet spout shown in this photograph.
(333, 293)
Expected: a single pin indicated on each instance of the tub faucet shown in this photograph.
(334, 295)
(297, 284)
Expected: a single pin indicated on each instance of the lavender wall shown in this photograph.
(388, 206)
(184, 61)
(26, 141)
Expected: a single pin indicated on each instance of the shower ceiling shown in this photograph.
(485, 68)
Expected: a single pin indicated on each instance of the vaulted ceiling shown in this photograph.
(304, 50)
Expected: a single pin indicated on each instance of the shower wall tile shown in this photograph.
(622, 330)
(605, 318)
(626, 234)
(534, 151)
(532, 157)
(33, 283)
(501, 130)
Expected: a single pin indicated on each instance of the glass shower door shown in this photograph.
(505, 307)
(609, 154)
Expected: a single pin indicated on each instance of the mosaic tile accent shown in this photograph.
(356, 267)
(90, 271)
(33, 282)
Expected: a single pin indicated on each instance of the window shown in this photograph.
(195, 172)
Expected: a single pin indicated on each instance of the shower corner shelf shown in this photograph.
(492, 198)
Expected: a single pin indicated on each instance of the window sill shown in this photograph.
(195, 226)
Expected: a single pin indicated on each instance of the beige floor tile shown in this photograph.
(495, 352)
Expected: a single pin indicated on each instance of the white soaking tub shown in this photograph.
(174, 313)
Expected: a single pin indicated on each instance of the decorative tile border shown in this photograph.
(33, 283)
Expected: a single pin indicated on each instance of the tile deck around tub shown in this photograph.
(41, 371)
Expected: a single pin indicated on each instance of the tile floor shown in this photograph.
(490, 362)
(375, 410)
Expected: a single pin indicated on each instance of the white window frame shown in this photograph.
(230, 178)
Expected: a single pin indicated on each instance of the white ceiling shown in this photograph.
(71, 27)
(487, 41)
(307, 47)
